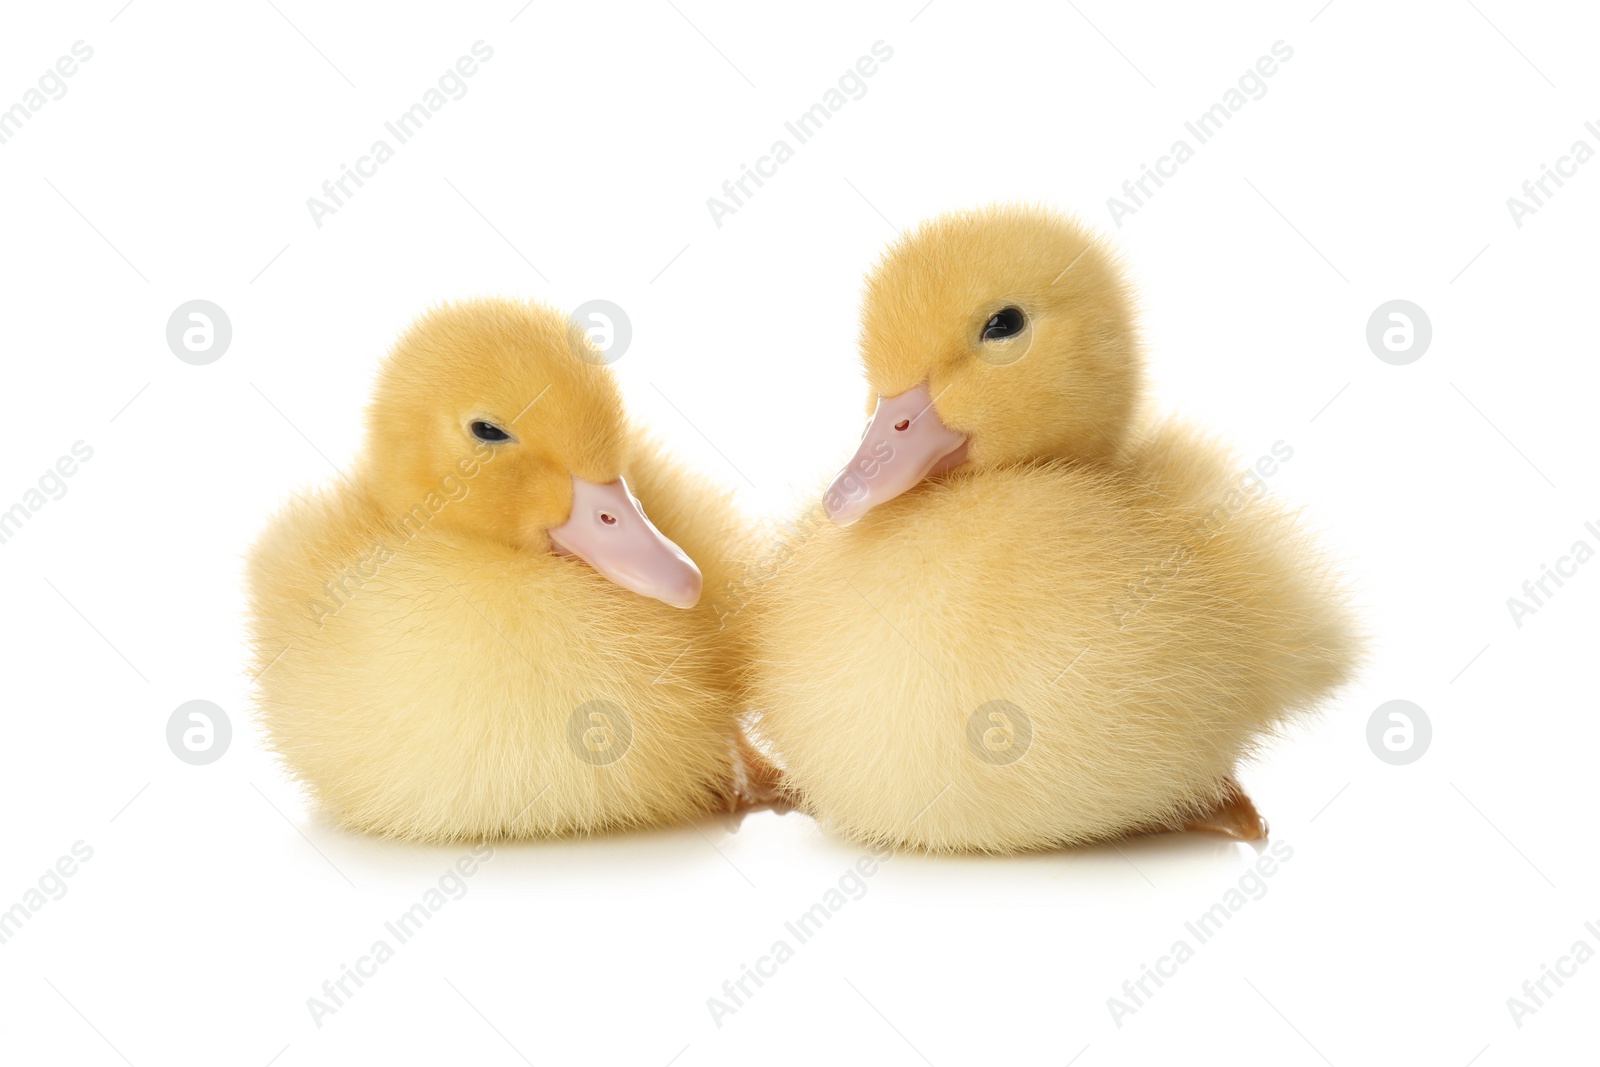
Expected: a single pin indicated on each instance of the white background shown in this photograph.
(1377, 166)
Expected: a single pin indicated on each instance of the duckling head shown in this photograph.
(990, 338)
(497, 419)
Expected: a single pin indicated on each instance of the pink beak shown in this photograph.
(905, 442)
(608, 530)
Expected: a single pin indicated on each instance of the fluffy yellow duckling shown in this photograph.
(1034, 620)
(478, 633)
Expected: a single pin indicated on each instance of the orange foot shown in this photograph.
(756, 782)
(1233, 815)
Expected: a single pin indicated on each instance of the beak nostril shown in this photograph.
(608, 518)
(918, 445)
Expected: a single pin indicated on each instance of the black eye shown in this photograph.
(488, 431)
(1004, 323)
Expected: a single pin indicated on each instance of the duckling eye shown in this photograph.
(1004, 323)
(488, 431)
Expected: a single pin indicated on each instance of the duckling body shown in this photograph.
(1038, 655)
(441, 671)
(1038, 646)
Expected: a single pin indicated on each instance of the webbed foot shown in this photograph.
(1234, 815)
